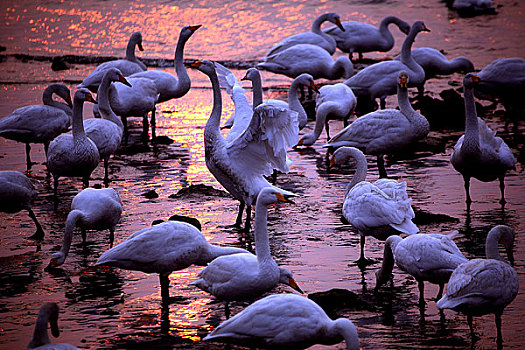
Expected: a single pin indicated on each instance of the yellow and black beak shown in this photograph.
(403, 82)
(139, 44)
(294, 285)
(314, 87)
(90, 98)
(475, 78)
(52, 263)
(123, 80)
(285, 197)
(245, 76)
(332, 161)
(68, 101)
(425, 28)
(339, 24)
(196, 64)
(194, 28)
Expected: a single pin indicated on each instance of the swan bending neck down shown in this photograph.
(483, 286)
(40, 341)
(285, 321)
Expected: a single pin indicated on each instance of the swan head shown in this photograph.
(342, 154)
(252, 74)
(205, 66)
(286, 277)
(404, 27)
(419, 26)
(114, 74)
(57, 259)
(335, 19)
(402, 80)
(62, 91)
(137, 39)
(187, 31)
(306, 140)
(271, 195)
(307, 80)
(84, 94)
(470, 80)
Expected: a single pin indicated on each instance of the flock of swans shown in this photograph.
(256, 147)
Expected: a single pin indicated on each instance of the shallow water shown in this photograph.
(112, 308)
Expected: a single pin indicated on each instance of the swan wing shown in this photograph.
(136, 100)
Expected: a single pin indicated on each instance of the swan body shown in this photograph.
(307, 58)
(17, 193)
(482, 286)
(40, 341)
(479, 153)
(315, 37)
(285, 321)
(94, 209)
(106, 133)
(385, 130)
(427, 257)
(333, 102)
(39, 123)
(127, 66)
(379, 80)
(74, 155)
(435, 63)
(380, 209)
(164, 248)
(362, 37)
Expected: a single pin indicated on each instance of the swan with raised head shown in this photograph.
(240, 163)
(435, 63)
(247, 276)
(127, 66)
(380, 209)
(479, 153)
(106, 133)
(427, 257)
(285, 321)
(164, 248)
(362, 37)
(39, 123)
(91, 209)
(40, 341)
(307, 58)
(74, 155)
(484, 286)
(333, 102)
(385, 131)
(379, 80)
(315, 37)
(18, 193)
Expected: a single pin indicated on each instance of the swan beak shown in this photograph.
(300, 143)
(139, 44)
(403, 83)
(475, 78)
(196, 64)
(53, 263)
(425, 29)
(245, 76)
(339, 25)
(332, 161)
(314, 87)
(285, 197)
(194, 28)
(68, 101)
(90, 98)
(294, 285)
(123, 80)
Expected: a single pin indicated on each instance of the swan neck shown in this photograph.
(383, 28)
(40, 336)
(343, 327)
(47, 99)
(262, 242)
(404, 103)
(104, 106)
(460, 64)
(211, 131)
(361, 167)
(214, 251)
(387, 266)
(184, 82)
(471, 119)
(499, 234)
(71, 223)
(316, 25)
(406, 57)
(78, 122)
(295, 105)
(342, 64)
(130, 50)
(320, 119)
(257, 91)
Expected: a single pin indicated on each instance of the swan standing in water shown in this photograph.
(285, 321)
(380, 209)
(39, 123)
(379, 80)
(479, 153)
(40, 341)
(164, 248)
(239, 163)
(362, 37)
(106, 133)
(96, 209)
(315, 37)
(74, 155)
(167, 85)
(127, 66)
(247, 276)
(435, 63)
(16, 193)
(385, 131)
(333, 102)
(484, 286)
(427, 257)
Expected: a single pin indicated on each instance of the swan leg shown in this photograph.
(362, 243)
(499, 340)
(55, 190)
(164, 287)
(227, 309)
(382, 101)
(106, 171)
(46, 148)
(126, 130)
(327, 128)
(85, 181)
(83, 230)
(502, 201)
(153, 123)
(466, 179)
(360, 56)
(145, 127)
(421, 287)
(111, 237)
(238, 221)
(421, 90)
(274, 176)
(471, 326)
(440, 293)
(381, 166)
(39, 234)
(248, 224)
(28, 156)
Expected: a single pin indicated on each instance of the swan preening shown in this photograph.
(484, 286)
(285, 321)
(362, 37)
(479, 153)
(39, 123)
(380, 209)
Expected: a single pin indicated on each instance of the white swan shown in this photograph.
(127, 66)
(307, 58)
(167, 85)
(240, 163)
(91, 209)
(362, 37)
(40, 341)
(380, 209)
(333, 102)
(427, 257)
(285, 321)
(247, 276)
(315, 37)
(472, 6)
(483, 286)
(435, 63)
(39, 123)
(479, 153)
(379, 80)
(385, 131)
(164, 248)
(106, 133)
(73, 154)
(17, 193)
